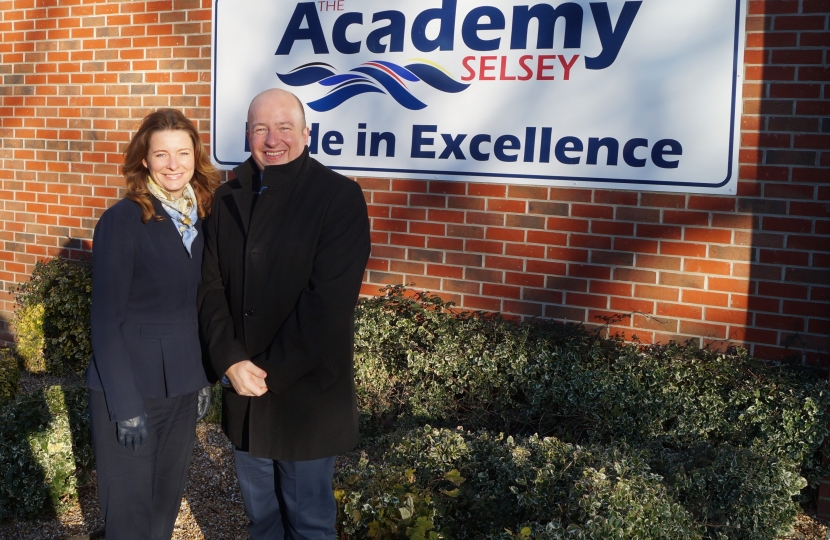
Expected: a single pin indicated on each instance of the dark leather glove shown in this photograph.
(133, 432)
(204, 397)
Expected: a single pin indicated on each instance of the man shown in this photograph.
(285, 249)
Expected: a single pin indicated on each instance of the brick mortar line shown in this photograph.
(729, 294)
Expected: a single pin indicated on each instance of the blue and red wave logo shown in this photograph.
(377, 76)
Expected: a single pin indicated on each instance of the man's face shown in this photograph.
(276, 133)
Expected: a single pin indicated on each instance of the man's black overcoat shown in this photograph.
(281, 275)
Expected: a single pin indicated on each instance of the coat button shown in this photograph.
(249, 313)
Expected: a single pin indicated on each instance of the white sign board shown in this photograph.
(621, 94)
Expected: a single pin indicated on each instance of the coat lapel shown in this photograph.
(274, 201)
(270, 209)
(170, 237)
(240, 200)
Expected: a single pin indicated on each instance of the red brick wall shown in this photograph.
(752, 269)
(78, 76)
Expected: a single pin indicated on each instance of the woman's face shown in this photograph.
(170, 160)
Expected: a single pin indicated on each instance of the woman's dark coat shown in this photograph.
(281, 275)
(145, 336)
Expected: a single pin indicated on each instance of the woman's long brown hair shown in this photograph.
(205, 178)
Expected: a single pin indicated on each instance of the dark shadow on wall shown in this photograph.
(75, 249)
(785, 193)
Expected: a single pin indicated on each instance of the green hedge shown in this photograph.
(52, 317)
(214, 415)
(704, 420)
(565, 434)
(9, 376)
(735, 492)
(45, 451)
(416, 362)
(28, 325)
(442, 483)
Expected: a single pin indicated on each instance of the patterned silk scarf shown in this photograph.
(182, 211)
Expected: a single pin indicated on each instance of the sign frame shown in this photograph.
(727, 185)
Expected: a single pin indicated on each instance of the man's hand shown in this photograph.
(247, 379)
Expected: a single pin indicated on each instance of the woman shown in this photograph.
(147, 384)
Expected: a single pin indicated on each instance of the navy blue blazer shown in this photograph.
(145, 330)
